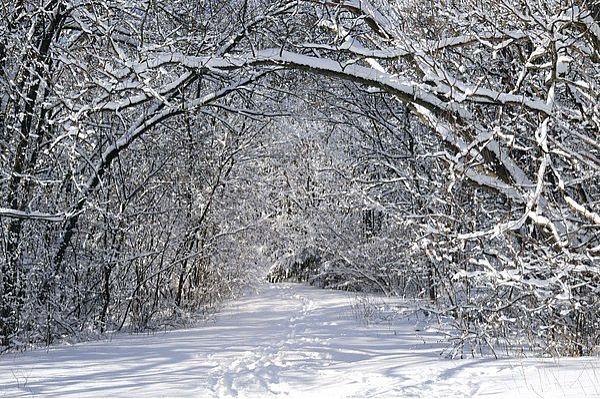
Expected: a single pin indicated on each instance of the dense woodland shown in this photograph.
(157, 157)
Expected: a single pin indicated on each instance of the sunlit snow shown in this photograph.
(289, 341)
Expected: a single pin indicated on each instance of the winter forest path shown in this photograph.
(287, 340)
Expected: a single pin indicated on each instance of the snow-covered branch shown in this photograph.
(33, 215)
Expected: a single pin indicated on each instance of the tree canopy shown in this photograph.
(155, 156)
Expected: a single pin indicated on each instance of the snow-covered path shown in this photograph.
(287, 340)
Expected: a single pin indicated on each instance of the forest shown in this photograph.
(159, 157)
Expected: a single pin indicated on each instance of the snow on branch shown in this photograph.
(409, 91)
(353, 46)
(35, 215)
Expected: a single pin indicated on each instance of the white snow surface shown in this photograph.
(287, 340)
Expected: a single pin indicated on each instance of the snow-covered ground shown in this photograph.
(292, 341)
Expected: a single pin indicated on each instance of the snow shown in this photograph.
(33, 215)
(288, 340)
